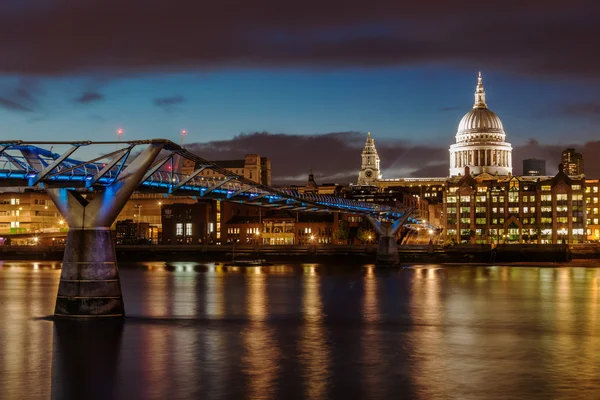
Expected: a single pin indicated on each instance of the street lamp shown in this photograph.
(312, 239)
(369, 242)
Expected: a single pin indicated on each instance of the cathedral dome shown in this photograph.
(480, 141)
(480, 120)
(480, 124)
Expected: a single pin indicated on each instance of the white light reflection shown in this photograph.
(427, 311)
(260, 362)
(314, 353)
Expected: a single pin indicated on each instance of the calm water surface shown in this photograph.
(308, 332)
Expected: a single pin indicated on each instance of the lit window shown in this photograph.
(561, 197)
(188, 229)
(576, 187)
(546, 188)
(179, 229)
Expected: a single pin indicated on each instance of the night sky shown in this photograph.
(302, 82)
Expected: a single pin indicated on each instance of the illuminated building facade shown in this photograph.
(573, 162)
(370, 171)
(480, 141)
(515, 209)
(188, 223)
(428, 195)
(28, 212)
(592, 189)
(252, 167)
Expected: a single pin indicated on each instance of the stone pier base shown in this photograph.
(89, 281)
(387, 252)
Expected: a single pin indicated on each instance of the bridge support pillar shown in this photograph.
(89, 282)
(387, 250)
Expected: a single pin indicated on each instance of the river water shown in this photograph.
(309, 331)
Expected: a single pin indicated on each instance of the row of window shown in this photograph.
(515, 231)
(495, 221)
(514, 198)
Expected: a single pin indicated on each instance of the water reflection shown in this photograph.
(373, 359)
(261, 357)
(313, 353)
(25, 339)
(85, 359)
(309, 331)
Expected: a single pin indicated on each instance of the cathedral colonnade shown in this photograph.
(481, 157)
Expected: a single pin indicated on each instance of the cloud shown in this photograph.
(452, 108)
(336, 157)
(168, 103)
(21, 97)
(12, 105)
(589, 109)
(534, 37)
(89, 97)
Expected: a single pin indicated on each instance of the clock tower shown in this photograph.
(369, 170)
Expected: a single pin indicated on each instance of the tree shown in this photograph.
(365, 235)
(342, 232)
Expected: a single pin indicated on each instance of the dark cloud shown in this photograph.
(589, 109)
(541, 37)
(13, 105)
(169, 102)
(89, 97)
(21, 97)
(336, 157)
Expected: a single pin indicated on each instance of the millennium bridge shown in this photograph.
(90, 195)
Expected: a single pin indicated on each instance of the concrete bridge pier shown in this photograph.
(387, 250)
(89, 282)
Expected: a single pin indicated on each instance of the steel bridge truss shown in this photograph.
(36, 164)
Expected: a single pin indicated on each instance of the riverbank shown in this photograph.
(355, 254)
